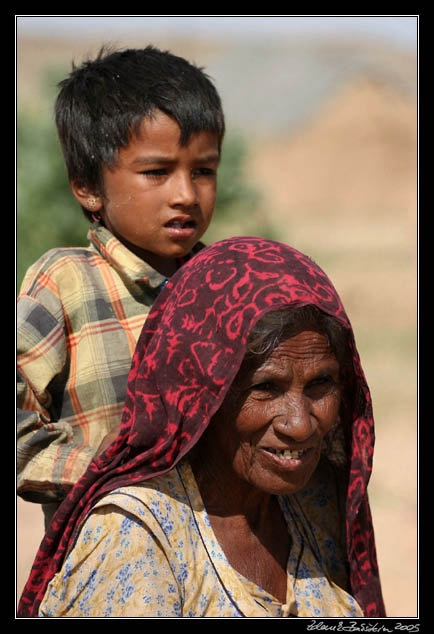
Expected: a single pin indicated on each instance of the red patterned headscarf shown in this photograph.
(188, 354)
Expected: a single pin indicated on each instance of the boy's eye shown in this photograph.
(155, 173)
(204, 171)
(195, 173)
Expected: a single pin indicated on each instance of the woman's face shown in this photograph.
(270, 430)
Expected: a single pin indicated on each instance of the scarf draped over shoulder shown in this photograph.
(190, 350)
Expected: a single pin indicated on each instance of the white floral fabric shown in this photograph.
(149, 551)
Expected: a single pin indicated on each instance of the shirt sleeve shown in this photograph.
(49, 459)
(117, 568)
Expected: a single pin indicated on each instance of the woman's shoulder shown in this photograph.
(158, 497)
(126, 552)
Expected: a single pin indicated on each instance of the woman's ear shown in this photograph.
(87, 199)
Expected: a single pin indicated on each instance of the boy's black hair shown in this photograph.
(102, 103)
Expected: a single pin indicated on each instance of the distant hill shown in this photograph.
(356, 155)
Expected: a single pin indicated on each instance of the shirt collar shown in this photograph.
(126, 262)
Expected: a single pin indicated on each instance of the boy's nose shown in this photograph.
(183, 191)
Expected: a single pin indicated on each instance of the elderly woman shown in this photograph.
(237, 484)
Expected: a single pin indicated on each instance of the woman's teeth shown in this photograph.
(286, 453)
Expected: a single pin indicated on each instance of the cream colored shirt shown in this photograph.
(149, 551)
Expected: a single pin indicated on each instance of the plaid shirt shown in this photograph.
(80, 312)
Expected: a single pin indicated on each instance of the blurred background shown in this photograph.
(321, 153)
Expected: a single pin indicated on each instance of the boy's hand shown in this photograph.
(107, 441)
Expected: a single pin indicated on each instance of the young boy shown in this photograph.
(141, 133)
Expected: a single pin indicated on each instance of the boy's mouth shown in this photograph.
(181, 224)
(181, 228)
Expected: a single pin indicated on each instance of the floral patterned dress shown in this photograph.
(149, 551)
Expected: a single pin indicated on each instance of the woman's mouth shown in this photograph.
(288, 458)
(286, 453)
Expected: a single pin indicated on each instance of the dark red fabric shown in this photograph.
(187, 356)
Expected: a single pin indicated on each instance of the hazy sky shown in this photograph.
(400, 29)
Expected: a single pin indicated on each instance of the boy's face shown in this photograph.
(159, 197)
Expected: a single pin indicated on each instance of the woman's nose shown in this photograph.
(183, 190)
(295, 419)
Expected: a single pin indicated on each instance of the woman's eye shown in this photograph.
(265, 386)
(321, 384)
(321, 380)
(265, 391)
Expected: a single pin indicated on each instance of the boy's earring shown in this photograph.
(92, 202)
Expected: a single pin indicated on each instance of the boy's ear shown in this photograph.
(90, 201)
